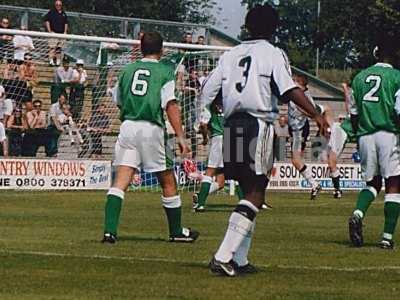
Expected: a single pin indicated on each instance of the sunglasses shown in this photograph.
(37, 105)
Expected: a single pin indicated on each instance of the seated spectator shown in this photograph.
(5, 41)
(16, 126)
(200, 40)
(62, 77)
(56, 21)
(68, 124)
(85, 146)
(22, 45)
(10, 71)
(27, 71)
(15, 88)
(3, 141)
(77, 92)
(55, 129)
(36, 134)
(187, 38)
(99, 124)
(281, 137)
(6, 107)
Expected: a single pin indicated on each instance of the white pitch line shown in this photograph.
(165, 260)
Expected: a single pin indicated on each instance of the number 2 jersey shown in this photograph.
(375, 90)
(252, 75)
(144, 89)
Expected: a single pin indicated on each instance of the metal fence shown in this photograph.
(101, 25)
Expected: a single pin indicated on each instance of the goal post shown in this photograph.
(90, 124)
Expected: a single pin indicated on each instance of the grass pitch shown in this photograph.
(49, 249)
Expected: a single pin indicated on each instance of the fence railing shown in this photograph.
(101, 25)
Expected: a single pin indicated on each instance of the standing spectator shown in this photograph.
(62, 77)
(200, 40)
(99, 124)
(22, 45)
(55, 129)
(77, 93)
(5, 41)
(16, 126)
(15, 88)
(56, 21)
(6, 107)
(36, 133)
(3, 141)
(187, 38)
(282, 135)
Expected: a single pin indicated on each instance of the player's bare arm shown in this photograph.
(174, 117)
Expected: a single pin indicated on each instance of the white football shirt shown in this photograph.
(252, 76)
(297, 117)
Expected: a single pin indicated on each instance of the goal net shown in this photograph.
(58, 98)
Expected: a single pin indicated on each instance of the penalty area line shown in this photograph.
(199, 263)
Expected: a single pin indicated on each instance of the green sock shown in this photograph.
(204, 190)
(239, 193)
(112, 213)
(173, 210)
(364, 200)
(392, 211)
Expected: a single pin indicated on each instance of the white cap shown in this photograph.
(80, 62)
(110, 63)
(2, 92)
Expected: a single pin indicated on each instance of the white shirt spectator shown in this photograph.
(6, 108)
(55, 111)
(22, 45)
(3, 136)
(82, 77)
(63, 75)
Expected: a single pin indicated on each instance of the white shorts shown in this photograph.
(142, 145)
(380, 155)
(337, 139)
(215, 156)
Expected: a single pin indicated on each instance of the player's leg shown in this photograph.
(172, 204)
(389, 161)
(247, 156)
(370, 173)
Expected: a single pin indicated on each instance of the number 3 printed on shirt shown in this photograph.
(139, 86)
(244, 63)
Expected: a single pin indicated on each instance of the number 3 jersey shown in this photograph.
(252, 75)
(144, 90)
(375, 91)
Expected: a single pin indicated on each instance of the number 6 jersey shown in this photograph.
(252, 75)
(144, 89)
(375, 91)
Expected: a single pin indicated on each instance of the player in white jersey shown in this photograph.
(252, 76)
(299, 129)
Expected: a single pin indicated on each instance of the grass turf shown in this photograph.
(49, 249)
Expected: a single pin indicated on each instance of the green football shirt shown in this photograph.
(216, 123)
(348, 128)
(144, 89)
(374, 92)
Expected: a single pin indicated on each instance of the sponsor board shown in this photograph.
(286, 177)
(49, 174)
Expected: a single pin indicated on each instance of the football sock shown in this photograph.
(173, 210)
(240, 225)
(392, 211)
(365, 198)
(239, 192)
(113, 210)
(306, 173)
(336, 179)
(205, 188)
(240, 256)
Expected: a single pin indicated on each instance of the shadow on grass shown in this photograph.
(347, 244)
(140, 238)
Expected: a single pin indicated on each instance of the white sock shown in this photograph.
(308, 176)
(335, 174)
(240, 256)
(213, 188)
(239, 227)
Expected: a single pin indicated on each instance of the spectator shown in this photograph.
(85, 146)
(3, 141)
(10, 71)
(36, 134)
(62, 77)
(68, 124)
(136, 53)
(15, 88)
(6, 107)
(281, 137)
(187, 38)
(56, 21)
(200, 40)
(99, 124)
(55, 129)
(27, 72)
(22, 45)
(77, 93)
(16, 126)
(5, 41)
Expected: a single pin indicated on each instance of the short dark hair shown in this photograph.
(151, 43)
(388, 46)
(262, 21)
